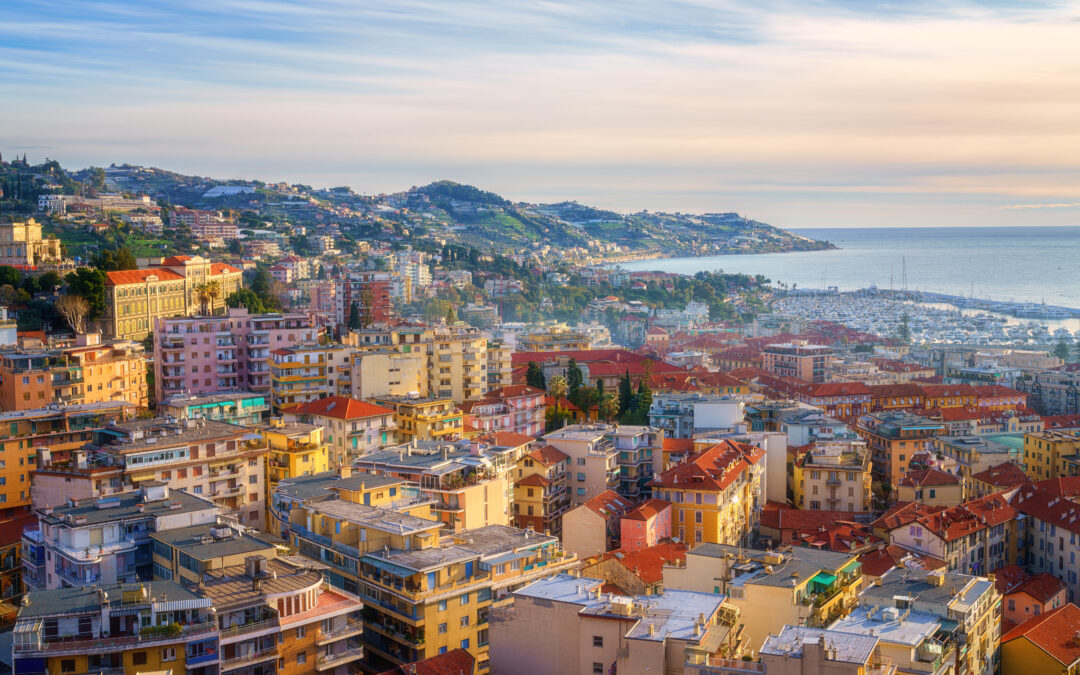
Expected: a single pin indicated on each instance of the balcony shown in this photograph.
(76, 579)
(351, 627)
(249, 658)
(106, 645)
(333, 660)
(200, 659)
(248, 628)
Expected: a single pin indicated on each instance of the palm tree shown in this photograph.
(608, 407)
(558, 388)
(203, 295)
(213, 292)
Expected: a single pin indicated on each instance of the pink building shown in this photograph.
(212, 354)
(517, 407)
(1025, 595)
(646, 525)
(281, 273)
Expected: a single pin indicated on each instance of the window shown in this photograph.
(300, 632)
(67, 666)
(442, 605)
(301, 658)
(581, 492)
(464, 598)
(442, 628)
(597, 667)
(168, 654)
(581, 461)
(138, 658)
(581, 478)
(598, 641)
(464, 622)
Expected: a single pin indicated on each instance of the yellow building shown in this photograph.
(424, 419)
(1045, 453)
(457, 364)
(293, 449)
(557, 339)
(305, 373)
(833, 476)
(541, 495)
(771, 589)
(185, 554)
(352, 428)
(932, 487)
(1040, 644)
(143, 627)
(21, 244)
(715, 494)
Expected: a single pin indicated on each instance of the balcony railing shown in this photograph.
(249, 658)
(332, 660)
(243, 629)
(351, 627)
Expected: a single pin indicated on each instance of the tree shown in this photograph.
(213, 293)
(557, 388)
(125, 260)
(608, 407)
(235, 247)
(626, 393)
(451, 318)
(89, 283)
(74, 309)
(7, 295)
(1061, 350)
(367, 307)
(534, 377)
(354, 316)
(642, 402)
(10, 275)
(574, 377)
(202, 294)
(245, 297)
(260, 284)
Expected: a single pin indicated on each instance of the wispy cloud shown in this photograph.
(792, 110)
(1022, 207)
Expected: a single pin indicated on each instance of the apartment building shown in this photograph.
(931, 621)
(559, 339)
(352, 428)
(106, 540)
(429, 418)
(772, 589)
(1050, 535)
(22, 245)
(681, 415)
(932, 487)
(242, 408)
(217, 461)
(293, 449)
(893, 439)
(716, 495)
(187, 554)
(798, 649)
(594, 465)
(148, 626)
(517, 408)
(640, 457)
(305, 373)
(803, 361)
(369, 291)
(1046, 452)
(1053, 392)
(595, 527)
(457, 364)
(373, 373)
(31, 439)
(966, 456)
(136, 299)
(833, 476)
(471, 487)
(541, 495)
(565, 624)
(90, 372)
(500, 358)
(1035, 646)
(222, 353)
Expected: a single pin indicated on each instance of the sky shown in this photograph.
(807, 113)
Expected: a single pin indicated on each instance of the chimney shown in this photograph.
(344, 471)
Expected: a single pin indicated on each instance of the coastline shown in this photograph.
(638, 257)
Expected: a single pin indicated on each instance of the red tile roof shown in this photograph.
(648, 509)
(11, 529)
(454, 662)
(842, 537)
(1042, 587)
(1007, 475)
(125, 277)
(548, 455)
(507, 439)
(713, 469)
(789, 521)
(533, 480)
(339, 407)
(175, 260)
(648, 563)
(928, 478)
(609, 503)
(678, 445)
(1054, 632)
(877, 563)
(1061, 421)
(514, 391)
(222, 268)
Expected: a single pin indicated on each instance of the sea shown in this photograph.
(1014, 264)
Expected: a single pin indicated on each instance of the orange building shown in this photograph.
(949, 395)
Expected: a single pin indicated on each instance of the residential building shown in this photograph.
(716, 495)
(593, 459)
(805, 426)
(29, 439)
(1045, 453)
(11, 566)
(516, 408)
(803, 361)
(148, 626)
(639, 572)
(1042, 645)
(424, 419)
(798, 649)
(1052, 392)
(1025, 595)
(595, 527)
(966, 456)
(369, 291)
(682, 415)
(223, 353)
(305, 373)
(932, 487)
(187, 554)
(470, 488)
(833, 475)
(89, 372)
(893, 439)
(1052, 539)
(220, 462)
(454, 662)
(564, 624)
(646, 525)
(558, 339)
(106, 540)
(136, 299)
(931, 621)
(541, 495)
(21, 245)
(373, 373)
(352, 428)
(242, 408)
(500, 369)
(640, 458)
(293, 449)
(772, 589)
(458, 362)
(996, 479)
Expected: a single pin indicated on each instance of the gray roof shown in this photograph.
(850, 647)
(799, 564)
(322, 485)
(199, 541)
(957, 590)
(909, 629)
(480, 543)
(189, 400)
(122, 507)
(69, 601)
(375, 518)
(67, 410)
(158, 433)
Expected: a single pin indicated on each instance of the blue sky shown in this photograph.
(804, 114)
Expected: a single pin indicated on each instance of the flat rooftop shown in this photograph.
(799, 565)
(124, 506)
(910, 630)
(139, 435)
(958, 591)
(850, 647)
(580, 432)
(324, 485)
(206, 542)
(208, 399)
(66, 410)
(375, 518)
(83, 600)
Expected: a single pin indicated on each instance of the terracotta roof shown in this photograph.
(507, 439)
(901, 390)
(1048, 507)
(877, 563)
(678, 445)
(454, 662)
(782, 517)
(1007, 475)
(222, 268)
(11, 529)
(513, 391)
(124, 277)
(609, 503)
(175, 260)
(339, 407)
(938, 390)
(1015, 579)
(1054, 632)
(929, 478)
(548, 455)
(648, 509)
(996, 391)
(836, 389)
(713, 469)
(1061, 421)
(533, 480)
(648, 563)
(842, 537)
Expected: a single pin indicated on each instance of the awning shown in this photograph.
(505, 558)
(824, 579)
(388, 566)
